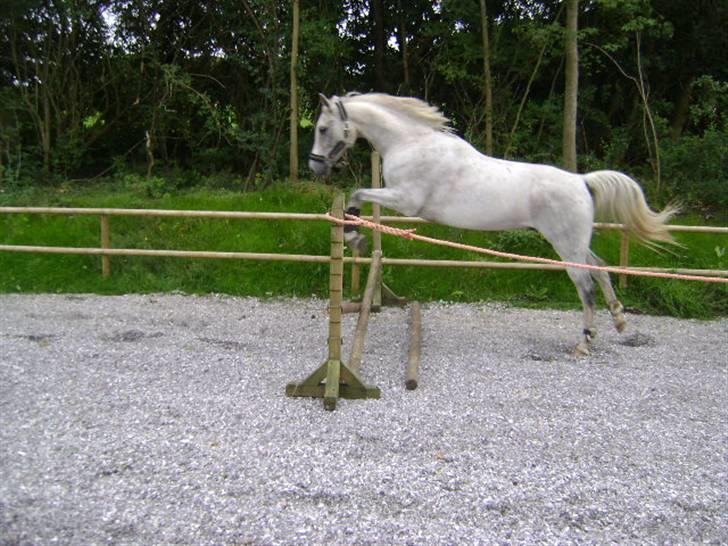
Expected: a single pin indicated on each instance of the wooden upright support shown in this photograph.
(415, 346)
(376, 162)
(357, 346)
(105, 243)
(333, 379)
(624, 257)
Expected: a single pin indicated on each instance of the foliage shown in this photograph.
(89, 87)
(696, 168)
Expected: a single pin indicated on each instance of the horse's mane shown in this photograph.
(415, 109)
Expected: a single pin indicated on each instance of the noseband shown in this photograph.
(340, 145)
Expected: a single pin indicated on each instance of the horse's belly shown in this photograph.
(486, 211)
(478, 220)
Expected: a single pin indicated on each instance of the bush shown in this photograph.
(695, 168)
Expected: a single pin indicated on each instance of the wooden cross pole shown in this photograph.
(333, 379)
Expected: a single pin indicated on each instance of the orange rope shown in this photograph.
(410, 234)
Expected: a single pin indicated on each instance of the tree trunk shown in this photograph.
(406, 85)
(45, 130)
(380, 43)
(293, 163)
(488, 86)
(149, 145)
(571, 86)
(681, 110)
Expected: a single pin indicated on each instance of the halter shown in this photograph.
(340, 145)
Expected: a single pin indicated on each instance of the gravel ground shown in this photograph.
(162, 420)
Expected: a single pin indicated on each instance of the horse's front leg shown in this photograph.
(386, 197)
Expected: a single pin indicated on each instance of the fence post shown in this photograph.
(377, 214)
(624, 257)
(105, 243)
(355, 274)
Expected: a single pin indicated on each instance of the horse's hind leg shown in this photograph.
(585, 287)
(615, 306)
(571, 242)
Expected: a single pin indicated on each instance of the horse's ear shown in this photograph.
(324, 101)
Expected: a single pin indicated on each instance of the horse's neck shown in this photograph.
(382, 128)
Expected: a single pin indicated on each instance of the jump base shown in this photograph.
(331, 381)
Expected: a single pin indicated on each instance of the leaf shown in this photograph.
(91, 121)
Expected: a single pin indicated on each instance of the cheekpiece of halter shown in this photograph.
(341, 144)
(344, 117)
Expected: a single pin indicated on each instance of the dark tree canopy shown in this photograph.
(94, 86)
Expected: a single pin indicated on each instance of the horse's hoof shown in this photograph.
(582, 350)
(617, 311)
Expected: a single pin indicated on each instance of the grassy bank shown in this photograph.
(74, 274)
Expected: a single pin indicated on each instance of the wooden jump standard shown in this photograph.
(334, 379)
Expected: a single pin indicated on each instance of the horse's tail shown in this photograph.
(617, 197)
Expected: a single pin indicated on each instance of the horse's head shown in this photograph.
(333, 136)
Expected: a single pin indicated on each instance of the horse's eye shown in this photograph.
(323, 130)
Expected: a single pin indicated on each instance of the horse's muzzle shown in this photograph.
(319, 165)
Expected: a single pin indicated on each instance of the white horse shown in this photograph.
(431, 173)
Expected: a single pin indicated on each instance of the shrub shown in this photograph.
(695, 168)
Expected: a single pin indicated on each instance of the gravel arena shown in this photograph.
(162, 419)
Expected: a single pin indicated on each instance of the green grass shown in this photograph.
(39, 273)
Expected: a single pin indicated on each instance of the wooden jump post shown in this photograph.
(334, 379)
(415, 347)
(357, 346)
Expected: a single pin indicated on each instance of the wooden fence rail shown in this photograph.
(106, 251)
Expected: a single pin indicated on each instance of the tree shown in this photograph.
(55, 52)
(488, 84)
(293, 156)
(221, 86)
(402, 39)
(380, 43)
(571, 86)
